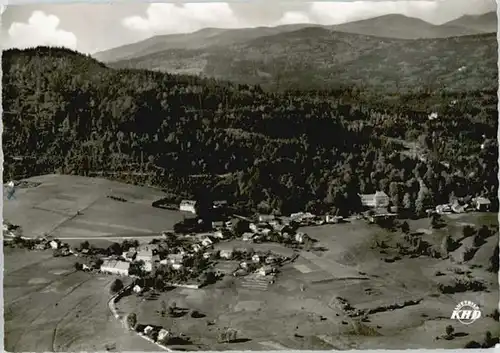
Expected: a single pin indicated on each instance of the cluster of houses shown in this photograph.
(481, 204)
(261, 264)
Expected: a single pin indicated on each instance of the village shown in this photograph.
(223, 255)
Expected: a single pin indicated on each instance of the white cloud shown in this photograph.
(41, 29)
(183, 18)
(293, 17)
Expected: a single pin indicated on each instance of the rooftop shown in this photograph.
(120, 265)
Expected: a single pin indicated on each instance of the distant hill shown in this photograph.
(321, 58)
(204, 38)
(486, 23)
(399, 26)
(389, 26)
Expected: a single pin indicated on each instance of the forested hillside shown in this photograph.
(65, 112)
(318, 58)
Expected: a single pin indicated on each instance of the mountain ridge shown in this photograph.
(402, 27)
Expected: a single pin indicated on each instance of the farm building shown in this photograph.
(219, 204)
(265, 270)
(196, 247)
(41, 246)
(188, 206)
(54, 244)
(206, 242)
(226, 254)
(218, 224)
(271, 259)
(482, 204)
(207, 254)
(379, 199)
(247, 236)
(130, 254)
(265, 217)
(164, 335)
(300, 237)
(145, 255)
(332, 219)
(253, 227)
(115, 267)
(219, 234)
(148, 330)
(175, 258)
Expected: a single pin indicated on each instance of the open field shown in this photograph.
(281, 315)
(49, 307)
(53, 206)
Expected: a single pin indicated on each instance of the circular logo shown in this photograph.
(466, 312)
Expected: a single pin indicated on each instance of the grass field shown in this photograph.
(48, 307)
(52, 208)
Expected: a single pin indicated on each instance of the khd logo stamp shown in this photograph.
(466, 312)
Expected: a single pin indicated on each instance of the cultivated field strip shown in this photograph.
(255, 283)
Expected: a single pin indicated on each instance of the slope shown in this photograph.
(204, 38)
(320, 58)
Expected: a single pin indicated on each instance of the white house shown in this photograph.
(256, 258)
(271, 259)
(299, 237)
(148, 330)
(196, 247)
(253, 227)
(266, 231)
(218, 224)
(177, 266)
(219, 234)
(265, 270)
(332, 219)
(219, 204)
(206, 242)
(115, 267)
(244, 264)
(266, 217)
(188, 206)
(164, 335)
(379, 199)
(207, 254)
(145, 254)
(174, 259)
(226, 254)
(482, 204)
(137, 289)
(247, 236)
(130, 254)
(54, 244)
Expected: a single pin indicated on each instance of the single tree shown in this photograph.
(163, 308)
(116, 286)
(131, 321)
(449, 330)
(405, 227)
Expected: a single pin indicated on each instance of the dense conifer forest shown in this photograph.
(283, 152)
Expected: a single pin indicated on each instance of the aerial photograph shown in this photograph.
(248, 176)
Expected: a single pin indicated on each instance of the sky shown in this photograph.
(90, 28)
